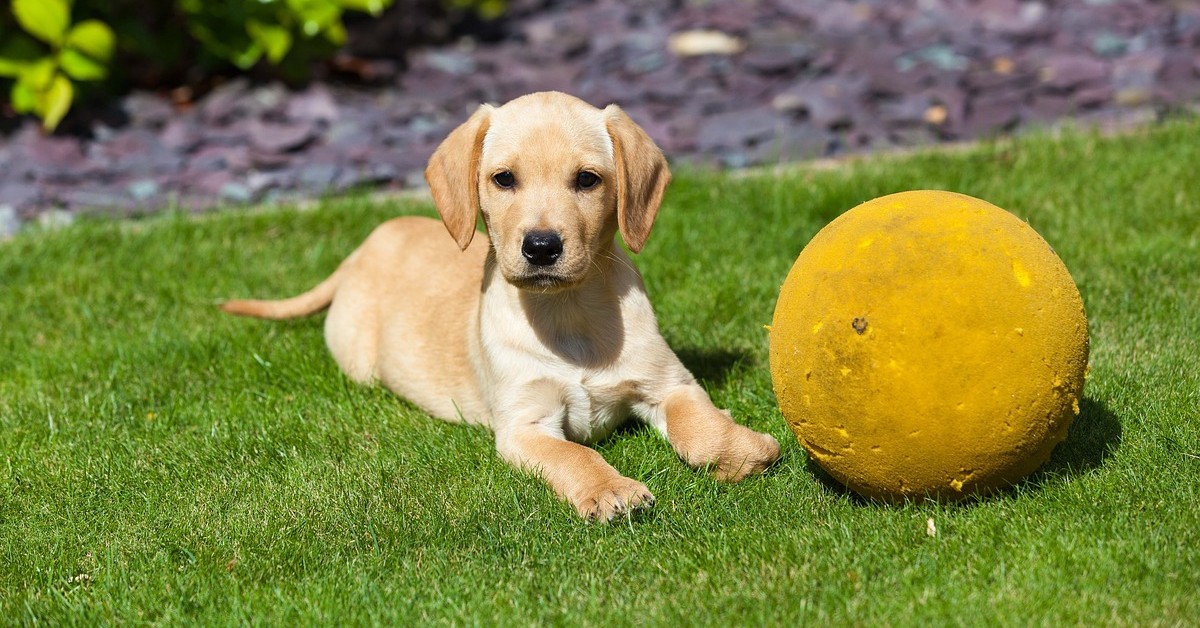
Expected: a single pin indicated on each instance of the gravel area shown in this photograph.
(729, 83)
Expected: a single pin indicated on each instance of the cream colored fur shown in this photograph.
(549, 356)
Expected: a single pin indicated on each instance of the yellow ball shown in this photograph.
(928, 344)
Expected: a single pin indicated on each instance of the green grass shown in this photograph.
(162, 463)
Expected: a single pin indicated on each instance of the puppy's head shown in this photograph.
(555, 178)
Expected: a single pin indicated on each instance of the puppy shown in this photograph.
(543, 331)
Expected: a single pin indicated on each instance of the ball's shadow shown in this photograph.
(1093, 437)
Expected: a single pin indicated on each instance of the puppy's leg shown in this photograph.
(705, 436)
(532, 438)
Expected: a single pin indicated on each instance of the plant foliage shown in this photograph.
(45, 52)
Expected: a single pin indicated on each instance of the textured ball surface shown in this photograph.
(928, 344)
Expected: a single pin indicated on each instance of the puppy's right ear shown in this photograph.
(453, 175)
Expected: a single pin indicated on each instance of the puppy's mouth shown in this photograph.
(542, 282)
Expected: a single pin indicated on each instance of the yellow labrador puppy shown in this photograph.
(542, 331)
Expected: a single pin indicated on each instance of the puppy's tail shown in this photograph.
(310, 302)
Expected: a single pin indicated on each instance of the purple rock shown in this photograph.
(827, 103)
(1045, 107)
(18, 194)
(280, 137)
(210, 183)
(1089, 97)
(906, 110)
(1180, 66)
(52, 151)
(147, 110)
(317, 177)
(270, 160)
(225, 102)
(453, 62)
(180, 134)
(1023, 21)
(736, 129)
(1139, 70)
(995, 113)
(790, 143)
(1069, 71)
(315, 104)
(219, 157)
(554, 37)
(135, 150)
(96, 197)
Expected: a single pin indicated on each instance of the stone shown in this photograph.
(10, 222)
(181, 134)
(829, 103)
(1092, 96)
(736, 129)
(143, 190)
(989, 115)
(225, 102)
(136, 151)
(451, 62)
(695, 43)
(789, 143)
(145, 109)
(236, 192)
(1069, 71)
(315, 104)
(281, 137)
(19, 194)
(218, 157)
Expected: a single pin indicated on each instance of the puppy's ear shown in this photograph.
(642, 177)
(453, 175)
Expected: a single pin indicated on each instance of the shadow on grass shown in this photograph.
(1093, 437)
(711, 367)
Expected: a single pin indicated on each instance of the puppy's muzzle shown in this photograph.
(542, 248)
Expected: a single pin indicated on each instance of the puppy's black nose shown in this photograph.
(541, 248)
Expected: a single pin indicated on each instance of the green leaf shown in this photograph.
(80, 66)
(92, 38)
(315, 15)
(12, 68)
(374, 7)
(18, 52)
(245, 59)
(491, 9)
(40, 74)
(54, 103)
(335, 33)
(45, 19)
(23, 97)
(275, 40)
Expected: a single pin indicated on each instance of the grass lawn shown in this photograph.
(161, 462)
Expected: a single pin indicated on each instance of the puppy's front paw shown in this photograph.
(745, 452)
(606, 501)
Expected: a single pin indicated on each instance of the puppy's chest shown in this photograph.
(597, 403)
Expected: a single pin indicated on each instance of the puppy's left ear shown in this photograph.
(453, 175)
(642, 177)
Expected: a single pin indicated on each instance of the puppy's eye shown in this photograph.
(586, 180)
(504, 179)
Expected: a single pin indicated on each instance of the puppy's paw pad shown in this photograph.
(612, 499)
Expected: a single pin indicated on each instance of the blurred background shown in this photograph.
(125, 106)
